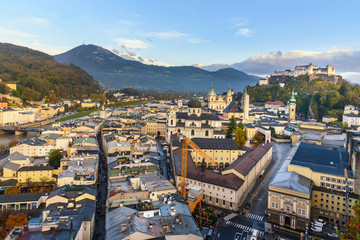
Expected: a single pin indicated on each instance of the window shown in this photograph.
(224, 202)
(300, 211)
(339, 181)
(333, 179)
(327, 179)
(206, 133)
(210, 198)
(323, 178)
(322, 184)
(274, 205)
(230, 204)
(217, 200)
(192, 132)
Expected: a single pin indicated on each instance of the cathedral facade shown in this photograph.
(219, 102)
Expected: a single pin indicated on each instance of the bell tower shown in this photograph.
(292, 107)
(228, 96)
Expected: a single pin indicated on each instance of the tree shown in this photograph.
(66, 108)
(54, 158)
(13, 143)
(18, 220)
(259, 137)
(241, 125)
(102, 98)
(231, 127)
(12, 190)
(44, 180)
(353, 225)
(240, 138)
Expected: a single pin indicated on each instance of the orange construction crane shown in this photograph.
(185, 145)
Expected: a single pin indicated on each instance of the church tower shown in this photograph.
(228, 97)
(292, 107)
(211, 97)
(245, 103)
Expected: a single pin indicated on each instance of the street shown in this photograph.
(255, 216)
(101, 194)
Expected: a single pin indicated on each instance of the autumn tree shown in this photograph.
(240, 138)
(12, 190)
(259, 138)
(54, 158)
(17, 220)
(353, 225)
(13, 143)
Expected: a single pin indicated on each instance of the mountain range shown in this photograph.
(113, 71)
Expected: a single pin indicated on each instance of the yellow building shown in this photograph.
(325, 165)
(36, 174)
(289, 200)
(223, 151)
(250, 131)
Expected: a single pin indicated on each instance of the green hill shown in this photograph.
(37, 75)
(324, 97)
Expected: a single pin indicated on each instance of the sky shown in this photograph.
(256, 36)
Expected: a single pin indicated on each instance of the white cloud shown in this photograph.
(32, 21)
(131, 43)
(6, 33)
(28, 40)
(344, 60)
(243, 32)
(166, 35)
(131, 55)
(238, 22)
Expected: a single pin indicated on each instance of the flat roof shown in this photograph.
(323, 159)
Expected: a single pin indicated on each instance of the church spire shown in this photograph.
(229, 90)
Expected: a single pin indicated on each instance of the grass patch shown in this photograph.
(86, 113)
(76, 115)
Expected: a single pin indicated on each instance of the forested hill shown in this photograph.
(37, 75)
(325, 98)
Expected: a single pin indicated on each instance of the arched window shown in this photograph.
(193, 110)
(206, 133)
(192, 132)
(172, 122)
(178, 130)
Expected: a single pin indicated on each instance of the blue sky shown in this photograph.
(256, 36)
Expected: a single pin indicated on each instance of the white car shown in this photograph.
(318, 224)
(332, 235)
(316, 229)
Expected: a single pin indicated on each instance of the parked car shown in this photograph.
(316, 229)
(317, 224)
(332, 235)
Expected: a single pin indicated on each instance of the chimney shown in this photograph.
(141, 214)
(173, 211)
(123, 227)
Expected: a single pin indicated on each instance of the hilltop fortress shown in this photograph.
(314, 72)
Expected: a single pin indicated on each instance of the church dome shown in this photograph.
(194, 103)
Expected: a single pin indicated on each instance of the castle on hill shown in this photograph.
(314, 72)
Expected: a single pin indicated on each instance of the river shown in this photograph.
(6, 138)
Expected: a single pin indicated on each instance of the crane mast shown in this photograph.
(184, 154)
